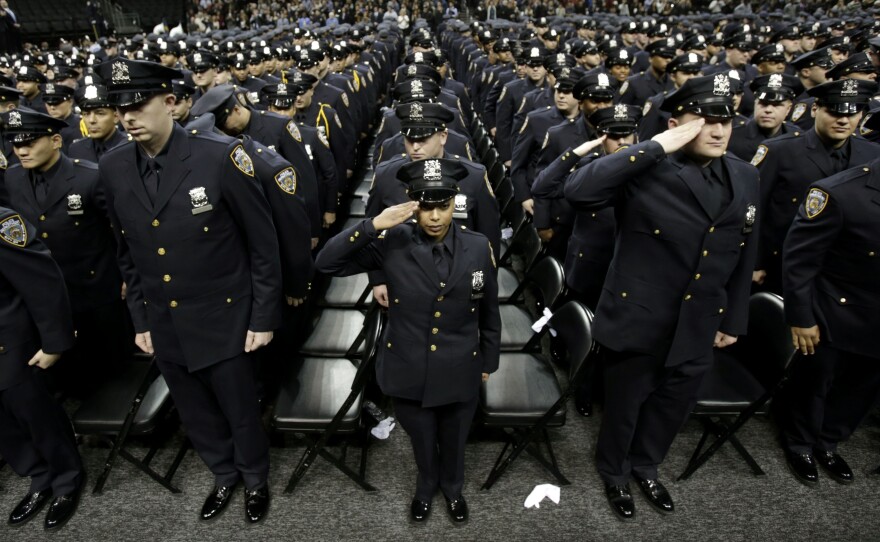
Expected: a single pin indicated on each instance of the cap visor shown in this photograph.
(618, 130)
(717, 111)
(432, 196)
(419, 132)
(844, 108)
(127, 98)
(22, 137)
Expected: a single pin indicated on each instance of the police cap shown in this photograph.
(844, 96)
(854, 63)
(818, 57)
(687, 63)
(218, 101)
(432, 181)
(54, 93)
(776, 87)
(420, 120)
(594, 86)
(773, 52)
(92, 97)
(416, 90)
(201, 61)
(30, 73)
(131, 82)
(619, 120)
(9, 94)
(706, 96)
(23, 125)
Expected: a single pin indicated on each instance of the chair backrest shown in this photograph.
(495, 174)
(548, 277)
(767, 349)
(504, 193)
(573, 325)
(374, 326)
(490, 157)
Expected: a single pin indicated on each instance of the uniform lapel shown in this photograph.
(60, 185)
(175, 170)
(421, 253)
(459, 264)
(817, 154)
(691, 175)
(136, 183)
(736, 188)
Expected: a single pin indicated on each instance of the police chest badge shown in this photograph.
(286, 180)
(461, 206)
(751, 214)
(13, 231)
(74, 204)
(815, 203)
(798, 111)
(478, 285)
(242, 161)
(199, 199)
(760, 154)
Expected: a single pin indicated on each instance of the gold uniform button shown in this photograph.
(443, 285)
(440, 298)
(161, 252)
(351, 239)
(632, 158)
(173, 304)
(92, 273)
(435, 331)
(42, 218)
(389, 345)
(794, 200)
(697, 276)
(2, 349)
(45, 235)
(475, 354)
(155, 223)
(76, 223)
(871, 254)
(396, 301)
(776, 253)
(580, 254)
(622, 294)
(437, 314)
(433, 348)
(843, 300)
(473, 309)
(705, 253)
(357, 234)
(166, 278)
(229, 300)
(711, 229)
(656, 232)
(688, 297)
(206, 229)
(720, 311)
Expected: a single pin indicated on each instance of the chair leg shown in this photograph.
(688, 470)
(148, 471)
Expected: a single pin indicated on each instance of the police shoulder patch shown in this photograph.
(488, 184)
(323, 138)
(624, 87)
(13, 231)
(338, 122)
(492, 256)
(646, 108)
(294, 132)
(242, 160)
(286, 180)
(862, 129)
(546, 140)
(3, 162)
(815, 203)
(522, 104)
(344, 97)
(524, 126)
(503, 93)
(760, 154)
(798, 111)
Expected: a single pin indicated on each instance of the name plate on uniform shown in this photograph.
(74, 213)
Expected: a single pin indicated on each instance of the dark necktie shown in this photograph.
(151, 179)
(441, 262)
(714, 192)
(839, 160)
(99, 148)
(41, 190)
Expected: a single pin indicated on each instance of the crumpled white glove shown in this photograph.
(506, 233)
(543, 321)
(537, 495)
(383, 430)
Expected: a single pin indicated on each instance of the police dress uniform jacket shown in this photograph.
(72, 132)
(654, 120)
(788, 165)
(643, 86)
(91, 150)
(34, 307)
(509, 102)
(390, 126)
(36, 103)
(535, 100)
(326, 167)
(201, 262)
(678, 274)
(323, 118)
(832, 260)
(747, 136)
(504, 76)
(529, 141)
(395, 146)
(73, 223)
(440, 335)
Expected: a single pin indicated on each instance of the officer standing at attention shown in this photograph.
(432, 376)
(199, 254)
(36, 438)
(832, 302)
(678, 284)
(101, 123)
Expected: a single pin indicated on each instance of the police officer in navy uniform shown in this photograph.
(8, 101)
(36, 438)
(832, 302)
(101, 122)
(827, 148)
(434, 352)
(655, 79)
(773, 99)
(678, 284)
(65, 201)
(199, 254)
(59, 104)
(28, 80)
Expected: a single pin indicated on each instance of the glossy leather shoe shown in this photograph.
(216, 502)
(458, 509)
(419, 510)
(621, 501)
(657, 495)
(29, 506)
(61, 510)
(584, 407)
(256, 504)
(803, 466)
(835, 466)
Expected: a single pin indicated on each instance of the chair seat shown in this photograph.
(309, 402)
(520, 391)
(334, 333)
(727, 388)
(347, 291)
(507, 283)
(516, 327)
(105, 411)
(363, 188)
(357, 207)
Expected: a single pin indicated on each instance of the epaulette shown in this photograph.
(85, 164)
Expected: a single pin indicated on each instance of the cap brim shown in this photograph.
(618, 129)
(602, 96)
(126, 98)
(713, 111)
(420, 131)
(431, 195)
(772, 96)
(843, 108)
(23, 137)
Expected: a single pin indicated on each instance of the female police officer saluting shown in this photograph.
(443, 327)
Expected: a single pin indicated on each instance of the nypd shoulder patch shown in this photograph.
(322, 137)
(3, 162)
(815, 203)
(242, 160)
(760, 154)
(503, 93)
(338, 122)
(294, 132)
(646, 108)
(524, 126)
(344, 97)
(13, 231)
(624, 87)
(488, 185)
(546, 140)
(798, 111)
(286, 180)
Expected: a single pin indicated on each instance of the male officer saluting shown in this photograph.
(200, 257)
(36, 438)
(434, 351)
(832, 301)
(678, 284)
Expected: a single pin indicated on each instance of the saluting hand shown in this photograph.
(585, 147)
(675, 138)
(394, 215)
(805, 339)
(257, 339)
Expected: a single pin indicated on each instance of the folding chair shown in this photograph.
(482, 148)
(743, 379)
(490, 158)
(322, 397)
(351, 292)
(525, 242)
(504, 193)
(496, 174)
(134, 403)
(525, 396)
(546, 281)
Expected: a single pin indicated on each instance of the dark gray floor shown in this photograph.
(723, 501)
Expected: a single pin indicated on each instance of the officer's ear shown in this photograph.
(673, 123)
(813, 110)
(788, 108)
(169, 101)
(56, 141)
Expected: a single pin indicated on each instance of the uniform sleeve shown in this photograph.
(488, 217)
(739, 286)
(523, 149)
(503, 121)
(355, 250)
(326, 163)
(600, 182)
(490, 321)
(550, 181)
(295, 153)
(767, 169)
(803, 256)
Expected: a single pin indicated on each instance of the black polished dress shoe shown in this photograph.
(835, 466)
(657, 495)
(419, 510)
(621, 501)
(803, 466)
(28, 507)
(216, 502)
(584, 407)
(458, 509)
(256, 504)
(61, 510)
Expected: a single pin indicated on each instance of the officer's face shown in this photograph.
(590, 60)
(679, 77)
(771, 66)
(808, 43)
(838, 55)
(591, 105)
(255, 69)
(28, 88)
(429, 147)
(435, 219)
(181, 108)
(288, 112)
(815, 74)
(712, 140)
(223, 77)
(204, 78)
(737, 58)
(792, 47)
(101, 122)
(39, 154)
(659, 63)
(148, 122)
(620, 72)
(770, 115)
(240, 74)
(60, 110)
(303, 101)
(737, 100)
(536, 73)
(566, 102)
(613, 142)
(833, 127)
(168, 60)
